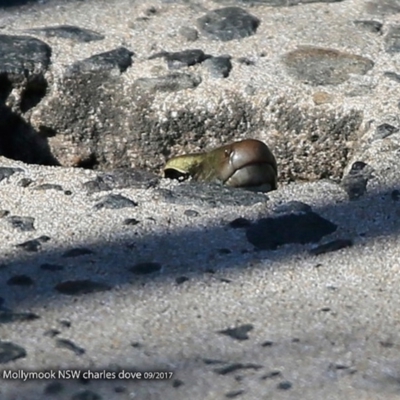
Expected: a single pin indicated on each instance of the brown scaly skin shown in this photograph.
(247, 163)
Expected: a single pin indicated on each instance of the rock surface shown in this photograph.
(223, 293)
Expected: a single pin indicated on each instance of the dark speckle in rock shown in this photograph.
(23, 224)
(77, 252)
(51, 333)
(145, 268)
(20, 280)
(191, 213)
(6, 172)
(321, 66)
(67, 192)
(80, 287)
(120, 389)
(131, 221)
(246, 61)
(384, 130)
(357, 166)
(51, 267)
(228, 23)
(271, 233)
(219, 67)
(181, 279)
(34, 244)
(65, 323)
(53, 388)
(293, 206)
(238, 333)
(395, 195)
(115, 202)
(71, 32)
(234, 393)
(177, 383)
(236, 367)
(239, 223)
(284, 385)
(333, 245)
(49, 186)
(10, 352)
(370, 26)
(7, 317)
(69, 345)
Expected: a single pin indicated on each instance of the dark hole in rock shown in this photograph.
(5, 88)
(33, 94)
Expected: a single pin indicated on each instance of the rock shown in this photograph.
(236, 367)
(23, 224)
(6, 172)
(75, 33)
(392, 75)
(271, 233)
(80, 287)
(321, 66)
(219, 67)
(383, 7)
(355, 182)
(370, 26)
(119, 59)
(293, 206)
(34, 244)
(384, 130)
(190, 34)
(49, 186)
(10, 351)
(228, 23)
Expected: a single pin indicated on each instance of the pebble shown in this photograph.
(69, 345)
(115, 202)
(239, 332)
(74, 33)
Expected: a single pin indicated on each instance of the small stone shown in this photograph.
(80, 287)
(65, 323)
(6, 172)
(131, 221)
(51, 333)
(284, 385)
(69, 345)
(177, 383)
(10, 352)
(228, 23)
(180, 59)
(4, 213)
(33, 245)
(119, 58)
(145, 268)
(267, 343)
(23, 224)
(71, 32)
(246, 61)
(190, 34)
(384, 130)
(219, 67)
(115, 202)
(333, 245)
(25, 182)
(238, 333)
(77, 252)
(272, 374)
(20, 280)
(172, 82)
(271, 233)
(355, 183)
(191, 213)
(322, 66)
